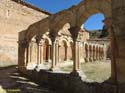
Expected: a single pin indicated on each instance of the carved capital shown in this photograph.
(74, 32)
(53, 35)
(38, 38)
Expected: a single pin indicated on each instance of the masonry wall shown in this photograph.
(14, 17)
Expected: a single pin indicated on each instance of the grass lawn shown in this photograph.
(96, 71)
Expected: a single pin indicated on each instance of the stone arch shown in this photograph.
(40, 28)
(89, 7)
(48, 39)
(61, 19)
(75, 16)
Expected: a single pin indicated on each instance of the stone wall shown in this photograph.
(71, 84)
(15, 17)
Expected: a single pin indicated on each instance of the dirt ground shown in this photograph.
(12, 82)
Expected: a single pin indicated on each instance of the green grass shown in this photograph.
(96, 71)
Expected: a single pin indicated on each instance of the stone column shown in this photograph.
(97, 53)
(25, 56)
(56, 53)
(79, 55)
(29, 53)
(49, 53)
(41, 43)
(66, 54)
(76, 64)
(94, 53)
(87, 53)
(105, 53)
(38, 52)
(117, 36)
(53, 36)
(21, 56)
(91, 54)
(118, 40)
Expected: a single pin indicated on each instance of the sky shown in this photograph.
(53, 6)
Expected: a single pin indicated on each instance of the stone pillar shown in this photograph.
(49, 53)
(76, 64)
(26, 55)
(41, 43)
(38, 51)
(101, 53)
(38, 54)
(94, 53)
(66, 54)
(87, 53)
(56, 53)
(53, 36)
(118, 40)
(21, 56)
(97, 53)
(29, 53)
(105, 53)
(91, 54)
(79, 53)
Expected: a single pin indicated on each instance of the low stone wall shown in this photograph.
(71, 84)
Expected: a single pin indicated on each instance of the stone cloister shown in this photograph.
(41, 42)
(39, 52)
(75, 17)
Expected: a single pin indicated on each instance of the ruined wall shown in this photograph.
(14, 17)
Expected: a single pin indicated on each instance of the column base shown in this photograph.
(54, 69)
(86, 59)
(91, 59)
(22, 69)
(78, 73)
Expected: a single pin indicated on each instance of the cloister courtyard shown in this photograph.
(42, 52)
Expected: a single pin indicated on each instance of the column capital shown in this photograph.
(53, 35)
(74, 32)
(39, 40)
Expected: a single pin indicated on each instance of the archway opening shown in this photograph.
(96, 51)
(94, 63)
